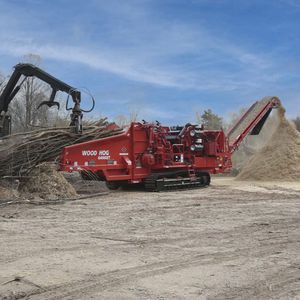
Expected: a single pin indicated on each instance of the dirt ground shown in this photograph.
(233, 240)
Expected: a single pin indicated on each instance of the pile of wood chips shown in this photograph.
(46, 182)
(279, 160)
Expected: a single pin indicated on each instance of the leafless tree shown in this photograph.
(121, 120)
(133, 115)
(297, 123)
(2, 82)
(24, 108)
(60, 118)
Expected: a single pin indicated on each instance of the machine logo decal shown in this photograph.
(89, 152)
(102, 154)
(124, 151)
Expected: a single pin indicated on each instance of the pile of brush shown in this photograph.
(20, 153)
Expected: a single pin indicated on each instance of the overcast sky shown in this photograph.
(164, 58)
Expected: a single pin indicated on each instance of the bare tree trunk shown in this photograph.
(2, 82)
(27, 104)
(23, 108)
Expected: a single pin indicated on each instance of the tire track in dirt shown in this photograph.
(276, 286)
(179, 232)
(273, 227)
(117, 277)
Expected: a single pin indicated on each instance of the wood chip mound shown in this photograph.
(8, 193)
(279, 159)
(46, 182)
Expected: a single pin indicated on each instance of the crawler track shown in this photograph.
(158, 182)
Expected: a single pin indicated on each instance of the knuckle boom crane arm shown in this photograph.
(28, 70)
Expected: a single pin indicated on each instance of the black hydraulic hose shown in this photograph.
(87, 92)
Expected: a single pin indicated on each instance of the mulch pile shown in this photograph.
(46, 182)
(279, 159)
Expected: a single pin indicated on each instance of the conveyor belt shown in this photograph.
(250, 115)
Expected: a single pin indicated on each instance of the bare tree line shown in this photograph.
(25, 114)
(123, 120)
(2, 82)
(24, 110)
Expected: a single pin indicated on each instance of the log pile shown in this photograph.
(20, 153)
